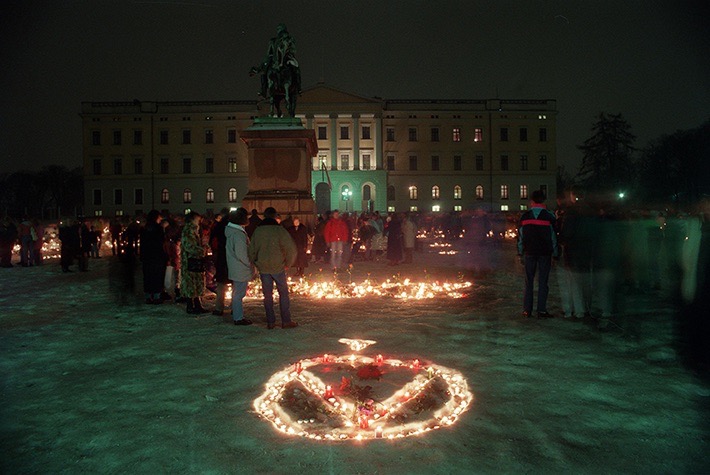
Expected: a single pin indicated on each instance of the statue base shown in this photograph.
(276, 123)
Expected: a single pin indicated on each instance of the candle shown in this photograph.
(328, 392)
(378, 432)
(379, 360)
(364, 423)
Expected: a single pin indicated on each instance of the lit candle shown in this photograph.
(380, 359)
(364, 423)
(378, 432)
(328, 392)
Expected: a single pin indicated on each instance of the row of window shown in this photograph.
(478, 192)
(458, 136)
(164, 164)
(163, 137)
(437, 208)
(457, 162)
(138, 196)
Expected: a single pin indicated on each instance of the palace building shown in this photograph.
(426, 155)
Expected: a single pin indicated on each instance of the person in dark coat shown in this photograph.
(394, 241)
(153, 258)
(299, 233)
(320, 248)
(8, 236)
(86, 237)
(218, 243)
(254, 222)
(70, 249)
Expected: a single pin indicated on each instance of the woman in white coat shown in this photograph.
(238, 265)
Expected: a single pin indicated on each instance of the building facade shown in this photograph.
(374, 154)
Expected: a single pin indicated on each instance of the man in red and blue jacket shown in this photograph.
(537, 244)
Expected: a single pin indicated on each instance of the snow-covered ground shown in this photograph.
(92, 382)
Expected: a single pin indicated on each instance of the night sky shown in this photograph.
(645, 59)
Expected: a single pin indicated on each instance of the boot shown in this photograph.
(198, 306)
(190, 306)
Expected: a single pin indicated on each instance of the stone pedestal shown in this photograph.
(280, 157)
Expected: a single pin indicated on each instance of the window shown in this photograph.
(163, 137)
(458, 207)
(479, 192)
(322, 132)
(390, 193)
(456, 136)
(504, 192)
(504, 162)
(138, 166)
(457, 163)
(523, 162)
(543, 188)
(118, 197)
(390, 162)
(165, 196)
(436, 208)
(97, 166)
(97, 197)
(542, 134)
(523, 192)
(187, 195)
(523, 207)
(413, 193)
(412, 162)
(435, 163)
(457, 192)
(478, 134)
(435, 134)
(209, 136)
(209, 165)
(209, 196)
(232, 164)
(413, 208)
(366, 132)
(186, 137)
(98, 212)
(366, 162)
(479, 163)
(117, 166)
(344, 132)
(523, 134)
(117, 137)
(231, 135)
(543, 162)
(138, 196)
(164, 165)
(391, 209)
(232, 195)
(412, 134)
(435, 192)
(95, 137)
(345, 161)
(389, 134)
(504, 207)
(137, 137)
(119, 212)
(504, 134)
(187, 165)
(366, 193)
(321, 162)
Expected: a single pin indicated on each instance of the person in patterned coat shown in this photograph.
(192, 283)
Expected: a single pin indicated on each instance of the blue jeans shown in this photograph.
(239, 290)
(267, 286)
(541, 265)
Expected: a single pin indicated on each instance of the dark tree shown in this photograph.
(674, 168)
(608, 156)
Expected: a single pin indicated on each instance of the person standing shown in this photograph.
(336, 236)
(239, 269)
(299, 233)
(71, 243)
(254, 222)
(537, 243)
(26, 243)
(272, 250)
(8, 236)
(394, 240)
(192, 270)
(153, 258)
(409, 238)
(218, 241)
(37, 242)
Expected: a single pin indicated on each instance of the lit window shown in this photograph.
(232, 195)
(457, 134)
(523, 192)
(523, 207)
(478, 134)
(390, 209)
(504, 207)
(479, 192)
(232, 164)
(457, 192)
(187, 195)
(457, 208)
(98, 212)
(413, 194)
(209, 198)
(165, 196)
(435, 192)
(436, 208)
(413, 208)
(504, 192)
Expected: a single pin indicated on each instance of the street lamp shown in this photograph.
(346, 194)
